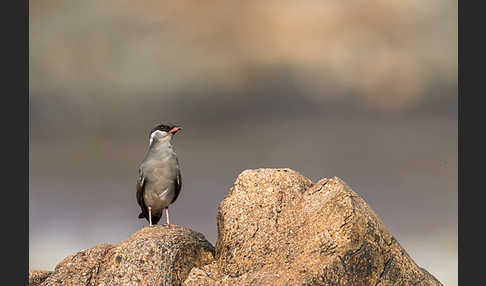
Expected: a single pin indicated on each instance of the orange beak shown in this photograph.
(175, 129)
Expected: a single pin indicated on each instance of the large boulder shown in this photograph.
(275, 227)
(152, 256)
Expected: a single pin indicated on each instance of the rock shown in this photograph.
(36, 277)
(275, 227)
(151, 256)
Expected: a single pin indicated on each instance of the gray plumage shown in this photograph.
(159, 182)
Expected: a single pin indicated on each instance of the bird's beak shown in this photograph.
(175, 129)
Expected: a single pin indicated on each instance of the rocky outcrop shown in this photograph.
(152, 256)
(275, 227)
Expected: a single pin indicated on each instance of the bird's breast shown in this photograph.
(160, 170)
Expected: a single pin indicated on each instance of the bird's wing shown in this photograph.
(178, 184)
(140, 189)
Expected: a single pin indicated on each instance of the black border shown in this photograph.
(15, 141)
(470, 205)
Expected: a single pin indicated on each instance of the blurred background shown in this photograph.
(362, 90)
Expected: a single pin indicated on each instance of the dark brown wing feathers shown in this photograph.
(178, 186)
(140, 189)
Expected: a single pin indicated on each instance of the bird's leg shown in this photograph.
(167, 218)
(150, 216)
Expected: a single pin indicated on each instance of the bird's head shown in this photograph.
(163, 132)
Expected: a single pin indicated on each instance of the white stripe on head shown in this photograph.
(154, 133)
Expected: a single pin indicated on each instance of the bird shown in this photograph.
(159, 179)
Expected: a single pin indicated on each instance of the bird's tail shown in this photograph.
(140, 215)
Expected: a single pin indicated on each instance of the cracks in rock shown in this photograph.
(89, 278)
(350, 254)
(318, 190)
(387, 266)
(385, 269)
(256, 230)
(323, 184)
(346, 220)
(278, 209)
(353, 253)
(328, 249)
(353, 211)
